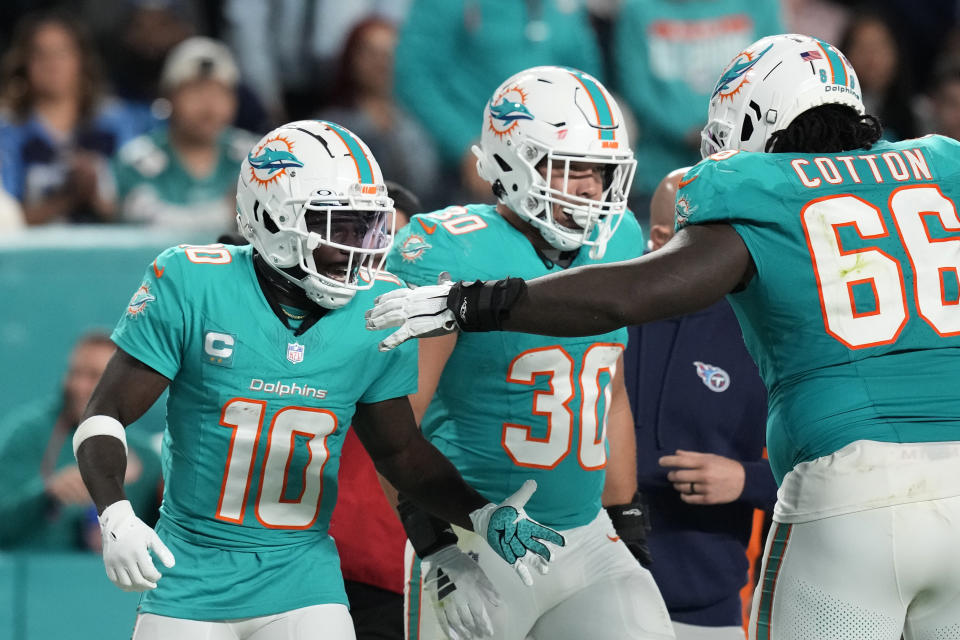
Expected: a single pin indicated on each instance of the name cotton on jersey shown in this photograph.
(857, 256)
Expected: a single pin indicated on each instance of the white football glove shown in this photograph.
(460, 592)
(511, 533)
(127, 542)
(420, 313)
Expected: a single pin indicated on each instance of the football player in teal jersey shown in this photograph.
(268, 364)
(840, 255)
(506, 407)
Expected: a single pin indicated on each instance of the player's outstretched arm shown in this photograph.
(127, 389)
(696, 268)
(417, 469)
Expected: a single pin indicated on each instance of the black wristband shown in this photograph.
(483, 306)
(632, 519)
(426, 533)
(632, 522)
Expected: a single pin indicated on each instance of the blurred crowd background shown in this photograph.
(123, 124)
(138, 112)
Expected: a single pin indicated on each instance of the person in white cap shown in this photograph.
(183, 175)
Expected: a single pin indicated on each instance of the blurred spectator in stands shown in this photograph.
(136, 38)
(824, 19)
(288, 49)
(135, 45)
(873, 50)
(667, 57)
(44, 503)
(452, 55)
(945, 99)
(59, 126)
(11, 213)
(373, 575)
(364, 104)
(184, 175)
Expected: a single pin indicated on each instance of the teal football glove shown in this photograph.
(511, 533)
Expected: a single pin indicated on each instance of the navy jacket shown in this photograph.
(693, 386)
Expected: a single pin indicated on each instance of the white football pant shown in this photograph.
(595, 589)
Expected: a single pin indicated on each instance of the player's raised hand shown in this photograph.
(512, 533)
(461, 593)
(127, 543)
(420, 313)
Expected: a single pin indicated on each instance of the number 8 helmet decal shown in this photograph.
(313, 184)
(768, 84)
(556, 116)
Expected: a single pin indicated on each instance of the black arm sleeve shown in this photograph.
(700, 265)
(426, 533)
(415, 467)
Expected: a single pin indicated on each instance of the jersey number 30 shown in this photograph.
(547, 452)
(838, 271)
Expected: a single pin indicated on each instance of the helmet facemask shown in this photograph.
(339, 245)
(714, 137)
(596, 219)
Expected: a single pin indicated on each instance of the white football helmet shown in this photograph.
(768, 84)
(558, 116)
(309, 184)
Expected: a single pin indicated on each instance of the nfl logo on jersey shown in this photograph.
(295, 352)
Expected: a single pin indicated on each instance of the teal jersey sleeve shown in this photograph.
(854, 285)
(152, 327)
(398, 367)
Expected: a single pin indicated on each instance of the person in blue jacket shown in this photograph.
(700, 410)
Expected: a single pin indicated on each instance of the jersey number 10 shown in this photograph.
(274, 508)
(838, 271)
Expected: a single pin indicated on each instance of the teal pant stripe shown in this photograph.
(777, 549)
(364, 169)
(416, 595)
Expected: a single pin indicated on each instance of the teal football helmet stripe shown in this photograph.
(364, 170)
(604, 116)
(837, 67)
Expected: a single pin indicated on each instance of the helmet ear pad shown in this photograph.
(494, 178)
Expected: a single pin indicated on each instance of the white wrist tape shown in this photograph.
(99, 426)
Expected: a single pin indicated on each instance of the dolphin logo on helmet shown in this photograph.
(737, 70)
(508, 111)
(273, 160)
